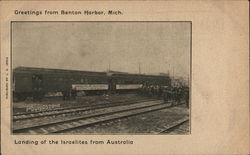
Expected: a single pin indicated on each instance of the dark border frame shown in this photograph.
(190, 81)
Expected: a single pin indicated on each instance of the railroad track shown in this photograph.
(70, 110)
(84, 120)
(171, 127)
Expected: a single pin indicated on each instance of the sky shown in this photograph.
(159, 47)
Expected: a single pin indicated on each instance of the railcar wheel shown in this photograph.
(66, 95)
(38, 96)
(73, 94)
(20, 97)
(41, 96)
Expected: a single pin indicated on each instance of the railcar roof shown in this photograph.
(53, 71)
(140, 75)
(64, 71)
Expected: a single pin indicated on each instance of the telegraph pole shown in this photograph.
(169, 70)
(173, 71)
(109, 66)
(139, 68)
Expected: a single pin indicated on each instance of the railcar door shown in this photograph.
(37, 81)
(112, 85)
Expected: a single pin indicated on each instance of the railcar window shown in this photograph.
(86, 80)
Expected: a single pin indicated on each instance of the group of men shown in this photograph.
(151, 90)
(172, 95)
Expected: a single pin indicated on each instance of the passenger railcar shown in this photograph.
(36, 82)
(128, 82)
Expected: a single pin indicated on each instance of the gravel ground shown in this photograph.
(50, 119)
(183, 129)
(57, 102)
(140, 124)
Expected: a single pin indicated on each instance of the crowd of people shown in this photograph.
(172, 95)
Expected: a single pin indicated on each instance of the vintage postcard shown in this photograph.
(97, 74)
(124, 77)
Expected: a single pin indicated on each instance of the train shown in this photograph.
(37, 82)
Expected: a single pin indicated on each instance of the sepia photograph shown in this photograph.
(101, 77)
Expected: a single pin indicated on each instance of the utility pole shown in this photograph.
(173, 71)
(109, 66)
(169, 70)
(139, 68)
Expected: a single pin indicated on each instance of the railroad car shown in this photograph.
(36, 82)
(128, 82)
